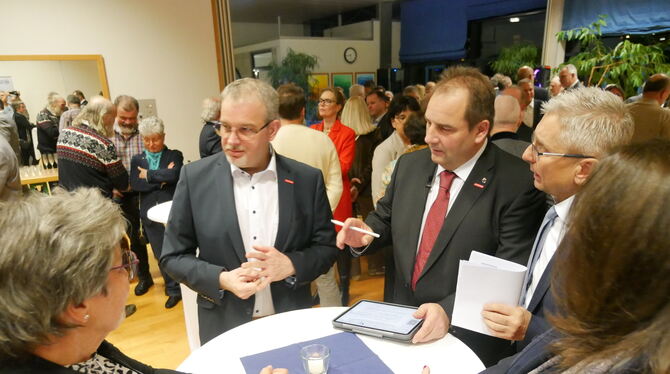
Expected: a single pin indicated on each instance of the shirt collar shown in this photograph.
(271, 169)
(563, 208)
(463, 171)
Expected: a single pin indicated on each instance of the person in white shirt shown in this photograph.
(579, 128)
(261, 221)
(314, 148)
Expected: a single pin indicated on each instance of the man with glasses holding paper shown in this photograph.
(261, 221)
(579, 128)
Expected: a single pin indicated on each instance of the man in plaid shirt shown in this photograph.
(128, 142)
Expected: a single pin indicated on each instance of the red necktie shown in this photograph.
(433, 224)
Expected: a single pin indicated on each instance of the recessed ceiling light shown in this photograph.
(627, 36)
(662, 39)
(514, 19)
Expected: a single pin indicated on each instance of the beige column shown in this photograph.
(224, 42)
(553, 51)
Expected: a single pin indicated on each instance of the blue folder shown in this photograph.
(348, 354)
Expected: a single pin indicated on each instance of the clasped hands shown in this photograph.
(266, 265)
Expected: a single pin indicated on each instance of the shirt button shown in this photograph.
(254, 212)
(254, 238)
(253, 188)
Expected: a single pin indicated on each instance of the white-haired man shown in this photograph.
(47, 123)
(568, 77)
(579, 128)
(260, 220)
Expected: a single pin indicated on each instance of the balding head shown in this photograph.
(519, 94)
(657, 87)
(525, 72)
(507, 114)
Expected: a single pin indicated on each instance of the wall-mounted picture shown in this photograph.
(317, 82)
(343, 80)
(361, 78)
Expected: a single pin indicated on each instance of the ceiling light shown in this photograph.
(627, 36)
(662, 39)
(514, 19)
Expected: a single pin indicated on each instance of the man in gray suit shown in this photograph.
(459, 195)
(261, 221)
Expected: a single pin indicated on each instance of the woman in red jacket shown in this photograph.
(331, 103)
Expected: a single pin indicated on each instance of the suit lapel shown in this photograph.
(478, 181)
(542, 286)
(285, 182)
(229, 216)
(414, 217)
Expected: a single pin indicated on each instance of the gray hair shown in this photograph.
(593, 121)
(507, 110)
(54, 254)
(92, 115)
(52, 98)
(151, 126)
(571, 69)
(211, 109)
(245, 88)
(356, 90)
(127, 103)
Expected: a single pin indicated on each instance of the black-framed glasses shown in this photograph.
(326, 101)
(129, 260)
(244, 132)
(537, 153)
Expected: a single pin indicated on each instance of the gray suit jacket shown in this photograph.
(203, 216)
(500, 218)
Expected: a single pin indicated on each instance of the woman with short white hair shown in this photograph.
(154, 174)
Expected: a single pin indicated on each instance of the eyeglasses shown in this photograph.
(244, 132)
(326, 101)
(537, 154)
(128, 260)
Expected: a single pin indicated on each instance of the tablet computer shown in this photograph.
(379, 319)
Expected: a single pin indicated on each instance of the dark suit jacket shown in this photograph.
(537, 112)
(160, 184)
(203, 216)
(500, 219)
(210, 141)
(385, 127)
(35, 365)
(541, 94)
(534, 355)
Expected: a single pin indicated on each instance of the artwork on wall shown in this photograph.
(343, 80)
(317, 82)
(361, 78)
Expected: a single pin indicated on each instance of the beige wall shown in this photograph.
(153, 49)
(245, 33)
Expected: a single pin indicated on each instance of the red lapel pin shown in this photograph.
(288, 181)
(478, 185)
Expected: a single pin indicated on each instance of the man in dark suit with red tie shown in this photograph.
(459, 195)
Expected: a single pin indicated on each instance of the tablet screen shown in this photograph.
(392, 318)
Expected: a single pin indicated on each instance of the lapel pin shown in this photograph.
(288, 181)
(478, 185)
(483, 180)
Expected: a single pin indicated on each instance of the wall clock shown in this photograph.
(350, 55)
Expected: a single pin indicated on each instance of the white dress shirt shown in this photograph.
(256, 204)
(554, 237)
(462, 173)
(528, 114)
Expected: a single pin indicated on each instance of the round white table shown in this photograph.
(160, 213)
(222, 354)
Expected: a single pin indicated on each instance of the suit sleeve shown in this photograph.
(136, 183)
(379, 219)
(180, 243)
(347, 152)
(169, 176)
(321, 253)
(519, 224)
(333, 179)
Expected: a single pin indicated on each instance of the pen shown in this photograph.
(340, 223)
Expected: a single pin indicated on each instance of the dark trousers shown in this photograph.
(131, 211)
(344, 268)
(154, 231)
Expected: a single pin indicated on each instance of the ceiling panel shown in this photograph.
(291, 11)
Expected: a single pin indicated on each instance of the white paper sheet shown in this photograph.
(484, 279)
